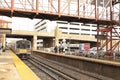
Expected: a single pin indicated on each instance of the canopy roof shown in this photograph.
(4, 21)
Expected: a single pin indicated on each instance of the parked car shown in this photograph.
(78, 52)
(94, 53)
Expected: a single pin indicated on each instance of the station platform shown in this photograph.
(12, 68)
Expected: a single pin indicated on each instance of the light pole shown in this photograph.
(69, 45)
(64, 45)
(53, 42)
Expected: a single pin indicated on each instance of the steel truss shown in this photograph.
(88, 9)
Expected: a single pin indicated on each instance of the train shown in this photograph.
(22, 48)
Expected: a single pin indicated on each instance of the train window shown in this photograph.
(28, 46)
(18, 46)
(23, 44)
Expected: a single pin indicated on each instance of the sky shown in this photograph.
(19, 23)
(22, 24)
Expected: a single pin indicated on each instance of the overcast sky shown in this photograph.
(19, 23)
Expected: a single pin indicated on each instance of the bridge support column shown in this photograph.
(34, 42)
(3, 35)
(4, 39)
(57, 36)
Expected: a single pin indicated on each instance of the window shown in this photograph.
(93, 30)
(74, 24)
(85, 29)
(75, 33)
(74, 28)
(63, 27)
(64, 32)
(84, 34)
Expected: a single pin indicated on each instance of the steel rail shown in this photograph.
(77, 77)
(49, 70)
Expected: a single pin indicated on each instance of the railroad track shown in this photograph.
(52, 72)
(59, 71)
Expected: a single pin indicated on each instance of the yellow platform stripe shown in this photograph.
(23, 70)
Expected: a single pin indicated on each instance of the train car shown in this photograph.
(22, 48)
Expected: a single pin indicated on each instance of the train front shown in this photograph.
(23, 48)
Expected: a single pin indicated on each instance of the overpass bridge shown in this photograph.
(28, 34)
(48, 37)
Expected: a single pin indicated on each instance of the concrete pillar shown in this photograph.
(3, 38)
(57, 36)
(34, 42)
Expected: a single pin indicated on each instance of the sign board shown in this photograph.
(5, 30)
(84, 46)
(102, 37)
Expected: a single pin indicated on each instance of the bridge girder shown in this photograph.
(86, 11)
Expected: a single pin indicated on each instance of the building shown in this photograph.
(66, 27)
(70, 28)
(45, 25)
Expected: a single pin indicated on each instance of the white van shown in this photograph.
(93, 52)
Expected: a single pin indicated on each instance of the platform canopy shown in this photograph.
(4, 21)
(4, 30)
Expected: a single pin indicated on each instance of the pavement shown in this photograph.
(8, 69)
